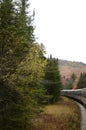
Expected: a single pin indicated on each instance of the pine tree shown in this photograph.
(21, 67)
(24, 23)
(53, 80)
(10, 98)
(28, 79)
(7, 32)
(69, 83)
(82, 81)
(13, 49)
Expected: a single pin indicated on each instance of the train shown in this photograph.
(76, 94)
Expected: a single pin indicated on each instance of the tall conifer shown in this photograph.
(21, 67)
(52, 79)
(14, 45)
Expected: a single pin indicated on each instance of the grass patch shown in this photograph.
(64, 115)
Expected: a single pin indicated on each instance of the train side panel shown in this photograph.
(77, 94)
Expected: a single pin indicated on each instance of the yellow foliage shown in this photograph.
(31, 69)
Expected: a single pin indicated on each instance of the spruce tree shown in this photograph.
(52, 79)
(14, 45)
(82, 81)
(28, 79)
(10, 98)
(21, 67)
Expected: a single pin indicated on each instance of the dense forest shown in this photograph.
(28, 79)
(71, 73)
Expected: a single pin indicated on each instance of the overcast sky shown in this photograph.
(61, 27)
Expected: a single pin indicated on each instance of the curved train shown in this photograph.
(76, 94)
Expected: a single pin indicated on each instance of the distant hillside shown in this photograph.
(68, 67)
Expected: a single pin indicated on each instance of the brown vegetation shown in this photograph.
(65, 115)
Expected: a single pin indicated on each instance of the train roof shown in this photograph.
(68, 90)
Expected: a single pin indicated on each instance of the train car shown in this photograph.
(77, 94)
(83, 96)
(83, 92)
(71, 92)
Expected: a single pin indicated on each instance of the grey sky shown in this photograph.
(61, 27)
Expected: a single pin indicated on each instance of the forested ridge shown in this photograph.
(71, 73)
(68, 67)
(28, 79)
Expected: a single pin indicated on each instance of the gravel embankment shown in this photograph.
(83, 117)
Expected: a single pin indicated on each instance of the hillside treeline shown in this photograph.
(71, 72)
(72, 63)
(82, 81)
(27, 79)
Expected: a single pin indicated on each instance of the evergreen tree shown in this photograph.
(24, 23)
(82, 81)
(15, 42)
(9, 97)
(28, 79)
(53, 79)
(7, 31)
(70, 81)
